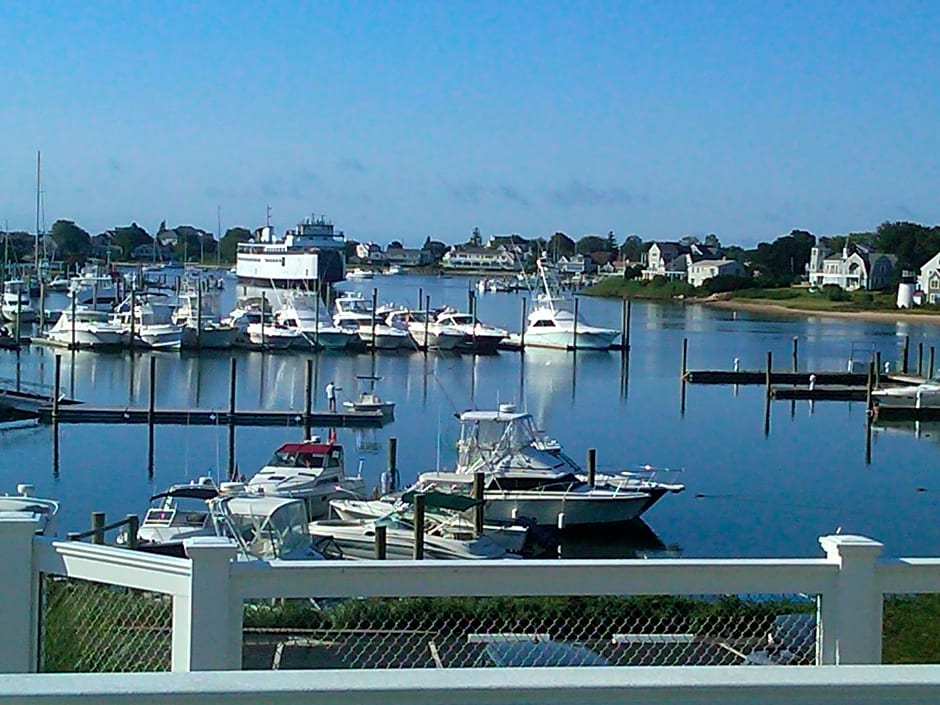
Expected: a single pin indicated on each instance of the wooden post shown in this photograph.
(152, 401)
(685, 358)
(316, 325)
(907, 344)
(920, 358)
(869, 386)
(522, 334)
(478, 509)
(393, 462)
(308, 397)
(427, 319)
(878, 368)
(57, 381)
(72, 346)
(231, 417)
(264, 314)
(375, 303)
(97, 523)
(198, 312)
(796, 348)
(625, 326)
(133, 524)
(420, 295)
(419, 527)
(592, 466)
(930, 365)
(574, 332)
(381, 542)
(770, 364)
(19, 312)
(42, 304)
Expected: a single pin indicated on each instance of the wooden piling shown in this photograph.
(930, 365)
(419, 527)
(685, 358)
(375, 303)
(478, 482)
(574, 333)
(231, 425)
(56, 386)
(151, 403)
(264, 309)
(308, 397)
(869, 404)
(796, 348)
(522, 326)
(904, 351)
(133, 524)
(592, 466)
(97, 524)
(381, 542)
(770, 365)
(199, 313)
(625, 326)
(74, 299)
(920, 358)
(877, 368)
(427, 320)
(393, 462)
(133, 341)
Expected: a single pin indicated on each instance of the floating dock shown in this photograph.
(83, 414)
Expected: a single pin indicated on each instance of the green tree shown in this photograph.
(632, 248)
(130, 236)
(591, 243)
(229, 244)
(913, 244)
(611, 244)
(73, 243)
(395, 245)
(560, 245)
(711, 240)
(476, 240)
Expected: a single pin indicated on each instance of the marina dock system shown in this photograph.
(82, 414)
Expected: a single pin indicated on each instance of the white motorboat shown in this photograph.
(354, 313)
(15, 303)
(439, 509)
(147, 318)
(87, 328)
(551, 325)
(263, 527)
(359, 274)
(312, 471)
(480, 338)
(199, 314)
(425, 332)
(303, 312)
(355, 539)
(44, 511)
(59, 284)
(368, 399)
(527, 475)
(910, 397)
(94, 288)
(257, 327)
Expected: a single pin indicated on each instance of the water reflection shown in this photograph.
(635, 540)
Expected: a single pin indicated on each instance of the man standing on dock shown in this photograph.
(331, 395)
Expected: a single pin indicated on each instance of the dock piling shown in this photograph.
(574, 334)
(685, 358)
(375, 303)
(522, 326)
(920, 358)
(592, 466)
(231, 416)
(869, 399)
(97, 524)
(770, 365)
(393, 463)
(478, 509)
(419, 527)
(904, 351)
(57, 382)
(381, 542)
(625, 331)
(796, 348)
(930, 366)
(308, 397)
(133, 524)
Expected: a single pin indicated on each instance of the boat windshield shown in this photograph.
(290, 459)
(274, 536)
(491, 436)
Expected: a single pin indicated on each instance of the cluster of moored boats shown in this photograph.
(302, 504)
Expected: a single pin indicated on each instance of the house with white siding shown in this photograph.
(703, 270)
(468, 257)
(854, 268)
(928, 280)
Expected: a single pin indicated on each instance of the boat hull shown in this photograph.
(569, 340)
(209, 338)
(89, 339)
(564, 510)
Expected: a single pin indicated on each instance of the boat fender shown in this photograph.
(561, 520)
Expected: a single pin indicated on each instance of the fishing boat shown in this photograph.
(257, 327)
(15, 303)
(198, 312)
(368, 399)
(311, 470)
(94, 288)
(552, 325)
(147, 317)
(481, 338)
(44, 511)
(87, 328)
(303, 312)
(426, 332)
(355, 314)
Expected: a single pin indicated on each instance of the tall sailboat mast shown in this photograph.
(38, 207)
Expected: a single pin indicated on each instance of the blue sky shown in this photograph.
(401, 120)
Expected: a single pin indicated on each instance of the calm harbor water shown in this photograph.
(748, 494)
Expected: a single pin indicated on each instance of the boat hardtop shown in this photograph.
(44, 511)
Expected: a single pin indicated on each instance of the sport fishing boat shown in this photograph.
(426, 332)
(527, 475)
(199, 313)
(552, 325)
(87, 328)
(94, 288)
(147, 317)
(355, 314)
(310, 256)
(15, 302)
(311, 470)
(480, 338)
(303, 312)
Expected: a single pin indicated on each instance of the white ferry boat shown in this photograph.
(309, 254)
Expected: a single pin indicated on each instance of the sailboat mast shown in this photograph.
(38, 205)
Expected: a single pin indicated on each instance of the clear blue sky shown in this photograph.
(407, 119)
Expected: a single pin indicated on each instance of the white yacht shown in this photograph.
(310, 470)
(552, 325)
(15, 303)
(426, 332)
(178, 513)
(147, 318)
(359, 274)
(44, 511)
(200, 316)
(304, 312)
(354, 313)
(257, 327)
(87, 328)
(94, 288)
(480, 338)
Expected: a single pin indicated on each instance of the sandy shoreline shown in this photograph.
(881, 316)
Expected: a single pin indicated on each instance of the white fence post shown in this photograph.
(206, 628)
(19, 593)
(851, 619)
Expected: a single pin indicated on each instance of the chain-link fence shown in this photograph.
(532, 631)
(911, 629)
(92, 627)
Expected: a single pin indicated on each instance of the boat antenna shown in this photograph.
(38, 206)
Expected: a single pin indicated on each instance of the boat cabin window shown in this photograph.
(544, 323)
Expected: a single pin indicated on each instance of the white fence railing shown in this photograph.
(209, 590)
